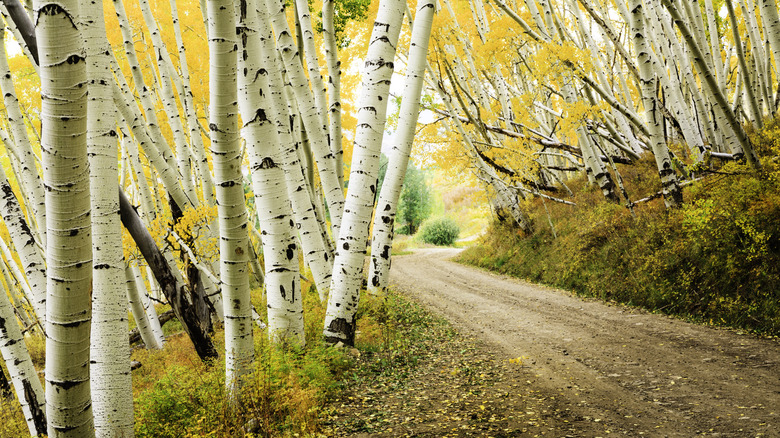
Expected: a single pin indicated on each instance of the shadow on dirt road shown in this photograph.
(629, 371)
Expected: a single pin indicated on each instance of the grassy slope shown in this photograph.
(716, 260)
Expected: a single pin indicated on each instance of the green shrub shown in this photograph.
(716, 259)
(439, 231)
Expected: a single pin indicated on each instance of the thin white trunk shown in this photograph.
(372, 104)
(148, 303)
(334, 85)
(311, 233)
(29, 177)
(671, 189)
(384, 219)
(26, 383)
(310, 113)
(152, 338)
(196, 140)
(33, 263)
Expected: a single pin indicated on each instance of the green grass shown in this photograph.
(715, 260)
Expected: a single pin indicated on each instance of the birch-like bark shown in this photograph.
(771, 24)
(372, 104)
(111, 382)
(20, 367)
(310, 113)
(69, 243)
(743, 67)
(166, 94)
(384, 220)
(311, 232)
(280, 250)
(24, 242)
(30, 179)
(151, 338)
(196, 141)
(151, 311)
(334, 86)
(711, 86)
(226, 153)
(671, 189)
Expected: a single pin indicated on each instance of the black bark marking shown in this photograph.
(342, 327)
(267, 162)
(346, 246)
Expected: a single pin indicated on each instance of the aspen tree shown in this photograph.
(151, 338)
(671, 189)
(315, 244)
(372, 109)
(111, 383)
(29, 177)
(311, 114)
(226, 156)
(69, 249)
(384, 220)
(21, 371)
(280, 249)
(24, 242)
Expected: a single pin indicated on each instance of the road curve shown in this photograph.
(636, 373)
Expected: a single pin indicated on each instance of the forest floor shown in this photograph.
(527, 360)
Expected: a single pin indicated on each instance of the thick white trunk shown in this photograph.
(384, 220)
(226, 153)
(280, 249)
(69, 243)
(372, 104)
(111, 383)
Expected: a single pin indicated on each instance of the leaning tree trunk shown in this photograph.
(26, 383)
(24, 242)
(30, 179)
(69, 242)
(384, 220)
(226, 152)
(671, 189)
(351, 246)
(280, 250)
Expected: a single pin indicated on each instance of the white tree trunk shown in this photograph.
(384, 220)
(280, 250)
(26, 383)
(226, 153)
(29, 177)
(151, 333)
(24, 242)
(69, 243)
(672, 191)
(310, 113)
(111, 382)
(372, 104)
(312, 235)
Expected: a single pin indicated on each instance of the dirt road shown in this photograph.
(612, 368)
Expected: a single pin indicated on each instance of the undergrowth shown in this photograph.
(176, 395)
(715, 260)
